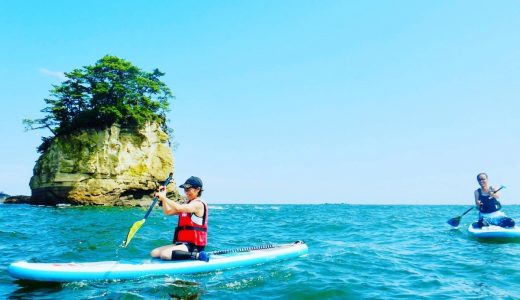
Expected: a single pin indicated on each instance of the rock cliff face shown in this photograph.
(115, 167)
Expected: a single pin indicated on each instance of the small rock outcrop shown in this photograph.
(3, 197)
(113, 167)
(20, 199)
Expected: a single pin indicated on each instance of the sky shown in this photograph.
(360, 102)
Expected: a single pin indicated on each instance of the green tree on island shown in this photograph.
(113, 91)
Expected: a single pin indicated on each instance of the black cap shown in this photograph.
(193, 181)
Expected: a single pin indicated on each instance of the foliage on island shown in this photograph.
(112, 91)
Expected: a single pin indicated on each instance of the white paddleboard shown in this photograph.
(494, 232)
(108, 270)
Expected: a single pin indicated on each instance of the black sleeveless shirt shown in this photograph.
(489, 204)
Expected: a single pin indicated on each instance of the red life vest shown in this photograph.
(188, 231)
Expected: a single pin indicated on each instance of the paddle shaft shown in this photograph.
(501, 187)
(155, 199)
(140, 223)
(467, 211)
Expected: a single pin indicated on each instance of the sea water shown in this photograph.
(355, 252)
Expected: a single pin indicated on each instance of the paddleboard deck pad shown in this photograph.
(110, 270)
(494, 232)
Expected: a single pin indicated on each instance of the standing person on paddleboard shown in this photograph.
(486, 200)
(190, 235)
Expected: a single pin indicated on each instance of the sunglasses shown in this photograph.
(482, 179)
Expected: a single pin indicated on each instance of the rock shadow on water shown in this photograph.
(33, 289)
(182, 289)
(167, 289)
(162, 288)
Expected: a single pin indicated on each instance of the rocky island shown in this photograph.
(113, 166)
(110, 143)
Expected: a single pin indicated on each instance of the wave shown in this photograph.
(217, 207)
(267, 207)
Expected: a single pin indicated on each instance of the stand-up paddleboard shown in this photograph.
(493, 232)
(219, 260)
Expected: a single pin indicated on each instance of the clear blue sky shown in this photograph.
(376, 102)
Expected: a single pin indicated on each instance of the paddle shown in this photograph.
(456, 221)
(140, 223)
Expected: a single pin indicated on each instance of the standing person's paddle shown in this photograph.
(140, 223)
(456, 221)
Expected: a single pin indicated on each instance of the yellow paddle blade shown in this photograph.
(132, 231)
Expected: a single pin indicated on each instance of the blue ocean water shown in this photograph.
(355, 252)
